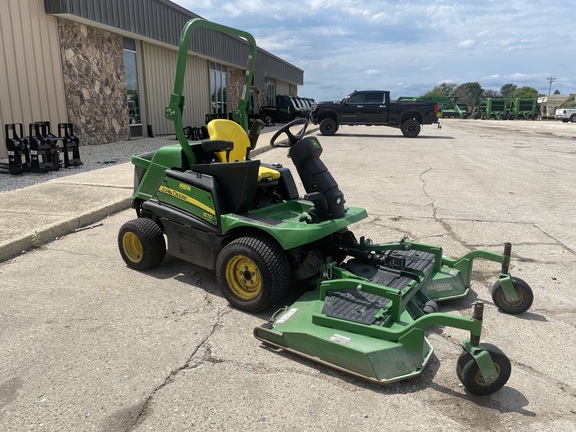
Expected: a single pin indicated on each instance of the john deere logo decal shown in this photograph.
(183, 197)
(185, 187)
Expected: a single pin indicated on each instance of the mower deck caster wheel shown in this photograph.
(470, 376)
(141, 243)
(523, 291)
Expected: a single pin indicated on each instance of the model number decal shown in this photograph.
(340, 339)
(287, 315)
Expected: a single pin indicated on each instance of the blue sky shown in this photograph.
(409, 47)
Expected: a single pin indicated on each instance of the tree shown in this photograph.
(524, 92)
(507, 89)
(556, 91)
(468, 93)
(444, 89)
(490, 94)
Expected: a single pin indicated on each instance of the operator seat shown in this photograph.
(228, 130)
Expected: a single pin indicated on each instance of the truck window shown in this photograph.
(356, 98)
(375, 97)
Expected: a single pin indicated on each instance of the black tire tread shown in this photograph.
(152, 239)
(273, 264)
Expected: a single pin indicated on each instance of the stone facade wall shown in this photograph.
(235, 86)
(94, 83)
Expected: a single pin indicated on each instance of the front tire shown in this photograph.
(410, 128)
(253, 273)
(470, 376)
(141, 243)
(328, 126)
(573, 118)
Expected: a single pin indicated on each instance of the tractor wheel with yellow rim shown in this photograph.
(141, 243)
(253, 273)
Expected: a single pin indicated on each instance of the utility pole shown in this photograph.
(550, 80)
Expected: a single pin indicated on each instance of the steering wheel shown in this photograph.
(292, 138)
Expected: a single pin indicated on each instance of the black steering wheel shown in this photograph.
(292, 138)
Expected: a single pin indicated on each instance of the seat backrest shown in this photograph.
(228, 130)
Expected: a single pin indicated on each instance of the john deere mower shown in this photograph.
(369, 304)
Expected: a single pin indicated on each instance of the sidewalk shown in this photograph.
(38, 214)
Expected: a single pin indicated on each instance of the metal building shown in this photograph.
(108, 67)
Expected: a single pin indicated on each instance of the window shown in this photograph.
(356, 98)
(376, 97)
(133, 94)
(271, 91)
(218, 88)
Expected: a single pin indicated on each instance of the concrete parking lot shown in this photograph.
(89, 345)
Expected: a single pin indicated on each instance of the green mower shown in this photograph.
(370, 304)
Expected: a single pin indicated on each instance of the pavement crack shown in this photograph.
(203, 347)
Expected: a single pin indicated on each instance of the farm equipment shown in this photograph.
(523, 109)
(371, 303)
(492, 108)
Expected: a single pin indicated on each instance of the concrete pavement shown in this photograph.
(88, 344)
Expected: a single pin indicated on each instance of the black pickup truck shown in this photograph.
(373, 107)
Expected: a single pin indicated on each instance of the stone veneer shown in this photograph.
(94, 83)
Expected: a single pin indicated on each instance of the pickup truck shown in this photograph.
(566, 114)
(373, 107)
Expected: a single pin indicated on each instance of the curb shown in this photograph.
(32, 241)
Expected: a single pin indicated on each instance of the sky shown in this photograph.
(409, 47)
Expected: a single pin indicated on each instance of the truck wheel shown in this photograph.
(268, 120)
(141, 243)
(573, 118)
(328, 126)
(410, 128)
(253, 273)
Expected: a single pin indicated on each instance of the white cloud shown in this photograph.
(418, 44)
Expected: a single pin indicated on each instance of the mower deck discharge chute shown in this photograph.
(371, 303)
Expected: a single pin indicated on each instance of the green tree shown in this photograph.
(444, 89)
(468, 93)
(507, 89)
(556, 91)
(524, 92)
(489, 93)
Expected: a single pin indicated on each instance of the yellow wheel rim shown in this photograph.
(132, 247)
(243, 277)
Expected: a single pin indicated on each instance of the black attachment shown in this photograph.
(17, 147)
(70, 145)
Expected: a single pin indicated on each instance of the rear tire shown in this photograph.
(141, 243)
(253, 273)
(410, 128)
(328, 126)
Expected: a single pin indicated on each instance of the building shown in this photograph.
(108, 67)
